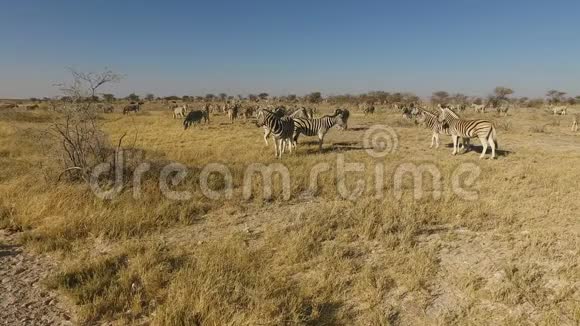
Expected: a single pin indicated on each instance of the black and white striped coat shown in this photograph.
(281, 128)
(431, 122)
(482, 129)
(320, 126)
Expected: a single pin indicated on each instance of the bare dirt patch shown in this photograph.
(24, 300)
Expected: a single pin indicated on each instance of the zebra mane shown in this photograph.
(451, 113)
(427, 112)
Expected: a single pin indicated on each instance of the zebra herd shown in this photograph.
(449, 123)
(285, 129)
(285, 125)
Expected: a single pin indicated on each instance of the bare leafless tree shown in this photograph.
(81, 142)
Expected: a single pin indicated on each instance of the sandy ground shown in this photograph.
(24, 299)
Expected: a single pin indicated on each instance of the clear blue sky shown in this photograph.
(240, 47)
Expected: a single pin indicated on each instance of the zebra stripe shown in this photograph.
(319, 126)
(282, 129)
(431, 122)
(482, 129)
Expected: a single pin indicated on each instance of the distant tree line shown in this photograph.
(498, 95)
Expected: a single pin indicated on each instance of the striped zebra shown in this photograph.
(561, 110)
(482, 129)
(320, 126)
(282, 129)
(431, 122)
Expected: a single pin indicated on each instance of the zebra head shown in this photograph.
(420, 116)
(447, 114)
(341, 118)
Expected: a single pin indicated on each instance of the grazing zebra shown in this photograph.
(180, 111)
(409, 112)
(320, 126)
(195, 116)
(281, 128)
(559, 110)
(431, 122)
(575, 123)
(482, 129)
(135, 107)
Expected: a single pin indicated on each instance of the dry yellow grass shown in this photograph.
(509, 257)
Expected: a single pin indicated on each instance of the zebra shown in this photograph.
(367, 108)
(502, 109)
(559, 110)
(483, 129)
(135, 107)
(195, 117)
(232, 111)
(180, 111)
(303, 112)
(320, 126)
(575, 123)
(248, 111)
(409, 112)
(431, 121)
(478, 108)
(281, 128)
(280, 111)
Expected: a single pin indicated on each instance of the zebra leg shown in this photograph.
(276, 147)
(432, 140)
(266, 134)
(484, 145)
(465, 143)
(492, 144)
(455, 145)
(320, 140)
(436, 140)
(282, 146)
(295, 139)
